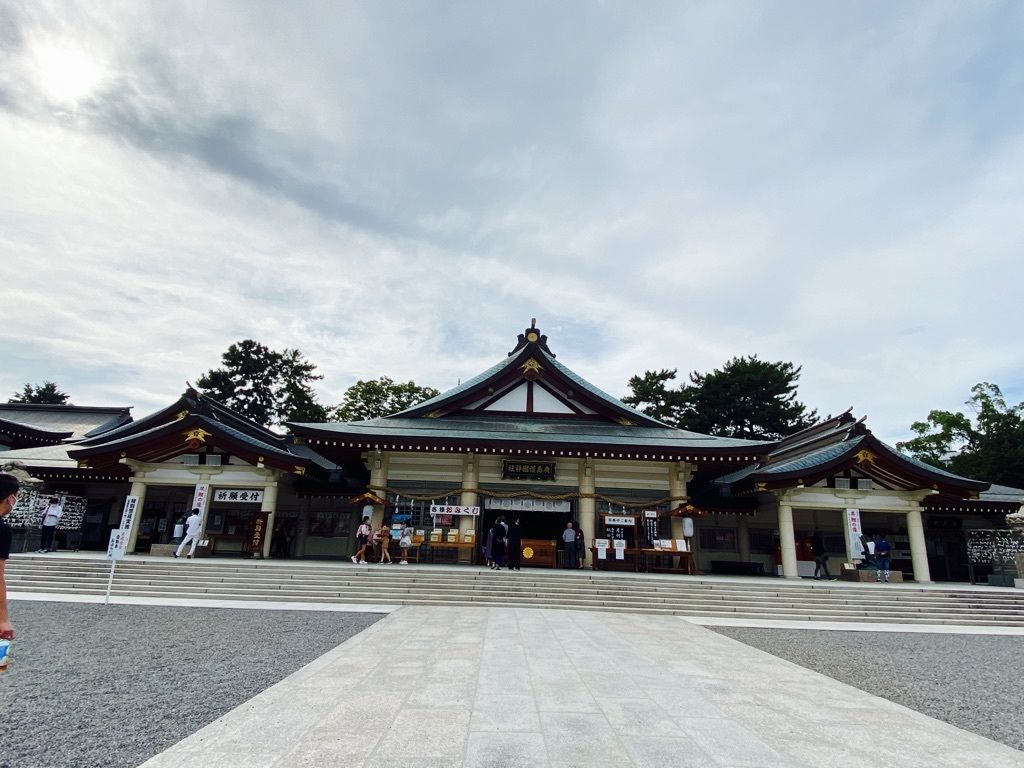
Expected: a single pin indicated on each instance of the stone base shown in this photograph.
(168, 550)
(852, 574)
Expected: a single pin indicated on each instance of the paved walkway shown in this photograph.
(510, 687)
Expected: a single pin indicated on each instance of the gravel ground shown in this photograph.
(110, 686)
(971, 681)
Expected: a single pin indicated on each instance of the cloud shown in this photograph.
(397, 190)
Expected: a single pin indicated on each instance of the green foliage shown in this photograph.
(264, 385)
(747, 398)
(990, 447)
(379, 397)
(46, 393)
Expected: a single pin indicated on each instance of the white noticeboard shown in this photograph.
(118, 543)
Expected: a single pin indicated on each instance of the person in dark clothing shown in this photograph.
(569, 539)
(498, 536)
(883, 552)
(820, 556)
(514, 545)
(581, 545)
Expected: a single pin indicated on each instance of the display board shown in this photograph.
(620, 528)
(994, 546)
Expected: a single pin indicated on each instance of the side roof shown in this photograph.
(838, 444)
(61, 422)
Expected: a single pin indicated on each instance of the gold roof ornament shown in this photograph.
(625, 422)
(181, 414)
(531, 366)
(196, 437)
(197, 434)
(865, 457)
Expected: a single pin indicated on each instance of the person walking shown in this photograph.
(9, 487)
(514, 545)
(363, 533)
(883, 553)
(384, 536)
(405, 542)
(581, 545)
(51, 517)
(820, 556)
(192, 529)
(569, 539)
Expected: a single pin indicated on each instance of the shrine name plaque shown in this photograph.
(515, 469)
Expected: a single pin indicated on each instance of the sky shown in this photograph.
(397, 188)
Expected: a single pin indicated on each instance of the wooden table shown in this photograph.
(631, 556)
(685, 563)
(458, 546)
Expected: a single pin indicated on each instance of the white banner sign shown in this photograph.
(118, 543)
(131, 503)
(243, 495)
(614, 520)
(441, 509)
(853, 534)
(199, 500)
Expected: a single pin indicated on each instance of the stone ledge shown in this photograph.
(852, 574)
(168, 550)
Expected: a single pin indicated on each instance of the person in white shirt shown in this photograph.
(50, 519)
(192, 530)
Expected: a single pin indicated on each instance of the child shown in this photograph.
(384, 535)
(363, 540)
(405, 543)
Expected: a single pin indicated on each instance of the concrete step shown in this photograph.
(641, 593)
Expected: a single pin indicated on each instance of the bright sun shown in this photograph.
(66, 74)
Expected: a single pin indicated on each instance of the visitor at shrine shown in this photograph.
(51, 517)
(569, 539)
(193, 527)
(363, 533)
(883, 552)
(514, 544)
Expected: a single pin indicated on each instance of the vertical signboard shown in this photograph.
(131, 504)
(199, 499)
(853, 534)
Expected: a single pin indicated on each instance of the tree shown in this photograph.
(263, 385)
(46, 393)
(747, 398)
(380, 397)
(990, 447)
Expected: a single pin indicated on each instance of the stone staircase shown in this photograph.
(736, 598)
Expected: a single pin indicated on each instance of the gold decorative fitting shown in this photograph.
(300, 471)
(181, 414)
(531, 366)
(760, 486)
(625, 422)
(197, 434)
(865, 457)
(532, 336)
(434, 415)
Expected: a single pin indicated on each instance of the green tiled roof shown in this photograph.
(534, 430)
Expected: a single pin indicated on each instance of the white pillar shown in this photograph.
(269, 506)
(586, 509)
(677, 477)
(918, 548)
(787, 540)
(470, 491)
(378, 482)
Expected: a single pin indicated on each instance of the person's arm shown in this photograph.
(6, 630)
